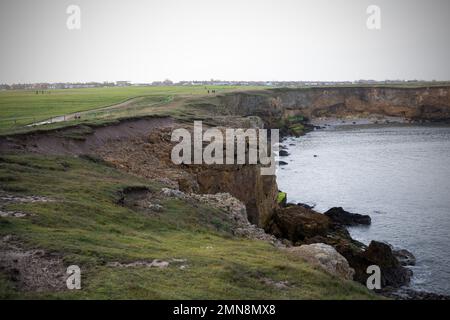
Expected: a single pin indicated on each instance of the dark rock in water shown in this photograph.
(297, 224)
(292, 144)
(282, 163)
(283, 153)
(315, 156)
(405, 257)
(306, 206)
(382, 253)
(339, 215)
(303, 225)
(392, 272)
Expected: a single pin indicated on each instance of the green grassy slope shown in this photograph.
(21, 107)
(88, 226)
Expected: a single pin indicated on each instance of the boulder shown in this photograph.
(381, 253)
(393, 274)
(405, 257)
(305, 226)
(340, 216)
(283, 153)
(359, 257)
(325, 257)
(297, 223)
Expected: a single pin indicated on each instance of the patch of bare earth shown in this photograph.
(148, 157)
(6, 199)
(31, 270)
(59, 141)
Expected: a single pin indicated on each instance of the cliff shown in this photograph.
(142, 146)
(104, 197)
(425, 103)
(244, 182)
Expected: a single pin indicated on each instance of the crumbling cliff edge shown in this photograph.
(142, 147)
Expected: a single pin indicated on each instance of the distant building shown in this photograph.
(123, 83)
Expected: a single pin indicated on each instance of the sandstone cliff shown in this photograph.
(244, 182)
(425, 103)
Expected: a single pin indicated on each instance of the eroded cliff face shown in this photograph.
(149, 156)
(245, 182)
(427, 103)
(142, 146)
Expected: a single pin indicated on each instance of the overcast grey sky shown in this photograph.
(142, 41)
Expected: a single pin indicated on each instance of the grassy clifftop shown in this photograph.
(22, 107)
(78, 217)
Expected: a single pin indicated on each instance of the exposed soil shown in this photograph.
(148, 264)
(31, 270)
(62, 142)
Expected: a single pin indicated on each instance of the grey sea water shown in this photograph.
(399, 175)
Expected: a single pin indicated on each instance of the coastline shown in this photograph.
(140, 148)
(333, 123)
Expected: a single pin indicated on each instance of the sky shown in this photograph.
(273, 40)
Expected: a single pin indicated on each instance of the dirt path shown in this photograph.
(71, 116)
(175, 102)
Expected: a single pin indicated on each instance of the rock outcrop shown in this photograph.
(340, 216)
(235, 209)
(392, 273)
(405, 257)
(325, 257)
(305, 226)
(245, 182)
(296, 224)
(421, 103)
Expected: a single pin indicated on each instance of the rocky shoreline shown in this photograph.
(299, 223)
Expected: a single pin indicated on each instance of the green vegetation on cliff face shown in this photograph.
(86, 224)
(281, 197)
(297, 129)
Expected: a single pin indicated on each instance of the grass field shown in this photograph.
(90, 228)
(22, 107)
